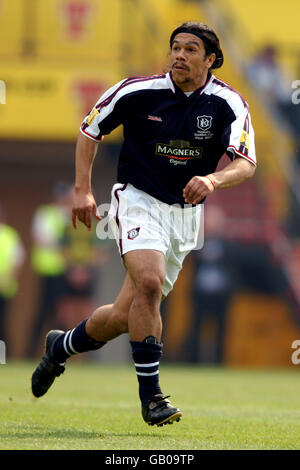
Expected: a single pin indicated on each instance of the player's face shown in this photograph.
(189, 62)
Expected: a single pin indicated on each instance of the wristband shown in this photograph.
(214, 186)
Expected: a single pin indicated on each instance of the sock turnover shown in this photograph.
(73, 342)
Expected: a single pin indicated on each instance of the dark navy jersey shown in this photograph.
(170, 137)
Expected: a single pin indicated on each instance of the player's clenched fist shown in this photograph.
(198, 188)
(84, 208)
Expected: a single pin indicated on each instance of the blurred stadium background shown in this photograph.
(57, 57)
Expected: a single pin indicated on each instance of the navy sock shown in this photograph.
(74, 342)
(146, 356)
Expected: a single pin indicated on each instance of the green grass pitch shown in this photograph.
(95, 406)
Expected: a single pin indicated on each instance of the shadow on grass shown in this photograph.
(40, 433)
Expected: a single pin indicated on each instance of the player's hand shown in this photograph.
(198, 188)
(84, 208)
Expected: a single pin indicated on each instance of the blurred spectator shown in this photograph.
(224, 268)
(266, 75)
(84, 253)
(215, 283)
(48, 262)
(12, 256)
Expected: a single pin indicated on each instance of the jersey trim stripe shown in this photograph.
(170, 81)
(246, 129)
(241, 154)
(127, 82)
(246, 124)
(84, 132)
(117, 217)
(225, 85)
(209, 81)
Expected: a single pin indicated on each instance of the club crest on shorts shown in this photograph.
(133, 233)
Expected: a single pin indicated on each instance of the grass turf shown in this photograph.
(96, 406)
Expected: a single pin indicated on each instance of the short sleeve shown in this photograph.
(238, 134)
(105, 116)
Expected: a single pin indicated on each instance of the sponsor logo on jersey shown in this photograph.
(245, 140)
(204, 124)
(92, 116)
(178, 162)
(179, 152)
(133, 233)
(154, 118)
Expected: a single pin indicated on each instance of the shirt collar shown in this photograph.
(199, 91)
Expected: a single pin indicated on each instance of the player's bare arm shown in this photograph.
(233, 174)
(84, 204)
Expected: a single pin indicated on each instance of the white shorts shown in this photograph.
(141, 222)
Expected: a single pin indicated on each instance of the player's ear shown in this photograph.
(210, 59)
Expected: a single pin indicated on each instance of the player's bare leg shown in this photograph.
(136, 310)
(109, 321)
(106, 322)
(147, 271)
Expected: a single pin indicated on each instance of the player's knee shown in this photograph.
(150, 284)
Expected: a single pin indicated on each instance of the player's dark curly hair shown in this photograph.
(207, 35)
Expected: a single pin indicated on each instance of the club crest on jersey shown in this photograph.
(133, 233)
(204, 122)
